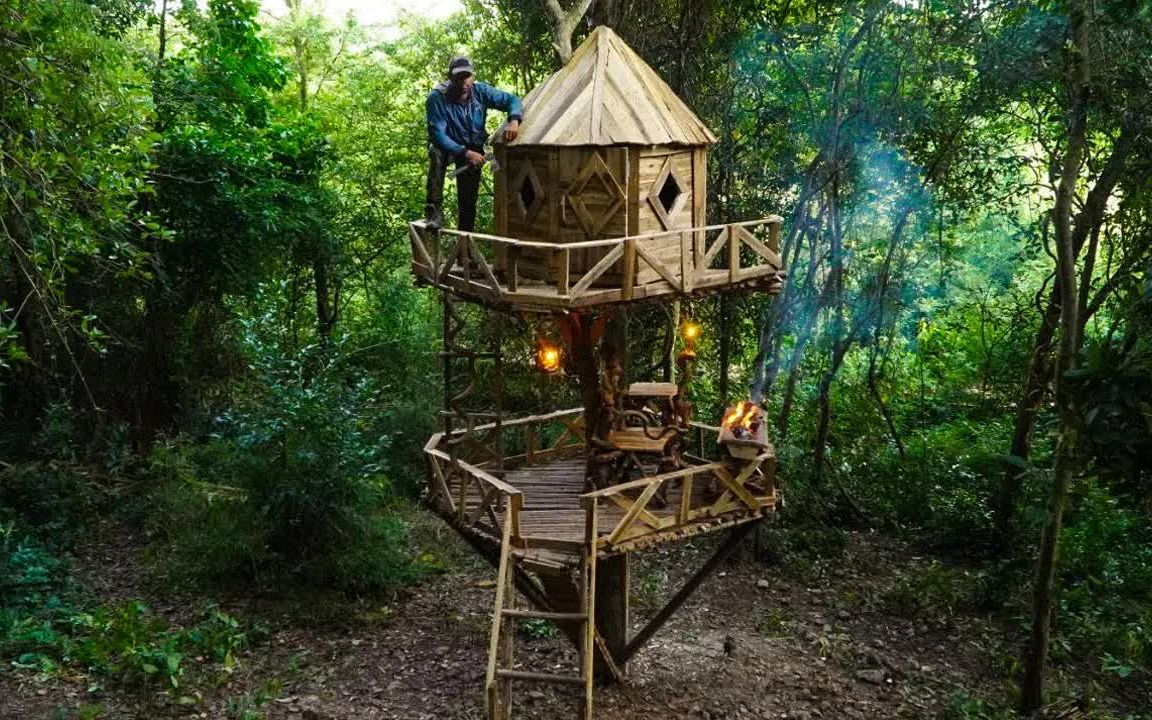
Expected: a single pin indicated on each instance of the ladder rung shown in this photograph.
(539, 677)
(541, 615)
(477, 415)
(479, 355)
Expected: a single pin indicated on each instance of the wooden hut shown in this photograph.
(605, 150)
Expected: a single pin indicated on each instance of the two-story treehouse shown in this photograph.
(599, 203)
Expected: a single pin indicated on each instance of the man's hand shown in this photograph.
(511, 130)
(474, 158)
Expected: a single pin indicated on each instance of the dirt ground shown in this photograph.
(817, 644)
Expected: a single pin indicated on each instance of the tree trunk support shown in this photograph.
(612, 612)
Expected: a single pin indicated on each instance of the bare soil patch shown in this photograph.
(755, 642)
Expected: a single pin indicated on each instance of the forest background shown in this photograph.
(208, 330)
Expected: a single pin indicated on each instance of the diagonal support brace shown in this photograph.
(734, 538)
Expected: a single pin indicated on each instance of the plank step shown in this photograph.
(542, 615)
(539, 677)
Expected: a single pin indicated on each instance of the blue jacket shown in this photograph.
(454, 127)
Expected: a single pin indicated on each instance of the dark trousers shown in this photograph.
(467, 187)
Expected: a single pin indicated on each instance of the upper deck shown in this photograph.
(548, 277)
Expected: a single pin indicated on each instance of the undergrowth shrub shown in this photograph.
(797, 546)
(29, 572)
(125, 643)
(1106, 579)
(54, 498)
(291, 487)
(940, 492)
(47, 625)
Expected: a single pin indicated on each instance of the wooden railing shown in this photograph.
(466, 483)
(641, 521)
(464, 476)
(491, 494)
(715, 255)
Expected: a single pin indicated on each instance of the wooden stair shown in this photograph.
(572, 597)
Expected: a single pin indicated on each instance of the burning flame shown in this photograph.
(743, 414)
(690, 331)
(548, 358)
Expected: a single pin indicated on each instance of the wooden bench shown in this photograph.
(635, 440)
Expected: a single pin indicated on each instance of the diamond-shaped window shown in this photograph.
(527, 192)
(669, 193)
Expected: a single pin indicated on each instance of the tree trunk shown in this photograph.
(565, 25)
(611, 611)
(1032, 692)
(603, 12)
(325, 313)
(1035, 389)
(786, 402)
(1087, 224)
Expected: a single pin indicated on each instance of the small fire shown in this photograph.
(742, 420)
(548, 358)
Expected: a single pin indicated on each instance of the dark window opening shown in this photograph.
(669, 192)
(527, 193)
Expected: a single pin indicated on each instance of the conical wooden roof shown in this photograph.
(607, 95)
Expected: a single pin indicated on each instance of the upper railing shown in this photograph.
(489, 267)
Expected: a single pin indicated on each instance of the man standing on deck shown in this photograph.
(457, 111)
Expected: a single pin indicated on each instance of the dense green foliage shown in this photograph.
(208, 329)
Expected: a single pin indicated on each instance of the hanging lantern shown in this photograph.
(549, 357)
(690, 331)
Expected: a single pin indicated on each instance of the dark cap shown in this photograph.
(460, 64)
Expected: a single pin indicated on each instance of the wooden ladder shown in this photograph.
(501, 671)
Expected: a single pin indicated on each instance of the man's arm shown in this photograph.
(506, 101)
(501, 100)
(438, 126)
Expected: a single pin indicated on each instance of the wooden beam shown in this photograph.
(685, 499)
(525, 583)
(685, 592)
(637, 507)
(733, 255)
(498, 614)
(773, 258)
(660, 268)
(687, 270)
(628, 276)
(563, 278)
(442, 484)
(597, 271)
(588, 590)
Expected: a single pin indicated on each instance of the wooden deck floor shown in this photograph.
(552, 499)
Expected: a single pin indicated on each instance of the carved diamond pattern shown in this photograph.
(595, 186)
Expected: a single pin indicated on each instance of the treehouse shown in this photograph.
(600, 203)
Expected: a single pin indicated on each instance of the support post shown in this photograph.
(611, 614)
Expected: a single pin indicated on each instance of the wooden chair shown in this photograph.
(649, 431)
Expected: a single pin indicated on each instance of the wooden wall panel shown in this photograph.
(634, 171)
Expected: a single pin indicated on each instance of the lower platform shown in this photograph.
(542, 494)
